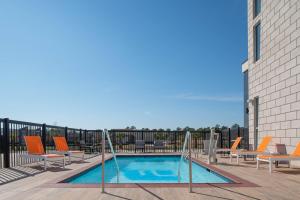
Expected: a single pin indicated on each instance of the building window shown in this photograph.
(256, 7)
(257, 42)
(246, 98)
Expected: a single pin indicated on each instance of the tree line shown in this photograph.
(187, 128)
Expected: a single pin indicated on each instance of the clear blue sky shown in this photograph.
(112, 64)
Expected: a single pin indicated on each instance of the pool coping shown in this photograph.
(236, 181)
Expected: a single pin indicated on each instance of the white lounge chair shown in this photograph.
(35, 150)
(261, 150)
(62, 148)
(272, 158)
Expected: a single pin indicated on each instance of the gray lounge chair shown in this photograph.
(159, 144)
(139, 145)
(87, 147)
(281, 150)
(205, 147)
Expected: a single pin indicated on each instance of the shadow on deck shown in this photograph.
(8, 175)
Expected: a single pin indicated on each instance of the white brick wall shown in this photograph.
(275, 77)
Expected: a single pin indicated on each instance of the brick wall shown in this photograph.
(275, 77)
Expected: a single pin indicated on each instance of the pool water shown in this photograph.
(148, 169)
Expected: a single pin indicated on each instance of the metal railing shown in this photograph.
(186, 140)
(124, 140)
(12, 143)
(1, 144)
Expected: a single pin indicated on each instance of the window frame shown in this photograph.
(256, 43)
(256, 12)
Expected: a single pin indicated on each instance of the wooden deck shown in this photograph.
(282, 184)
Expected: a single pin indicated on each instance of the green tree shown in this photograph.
(224, 127)
(200, 129)
(235, 126)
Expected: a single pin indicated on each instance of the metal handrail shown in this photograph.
(114, 155)
(182, 154)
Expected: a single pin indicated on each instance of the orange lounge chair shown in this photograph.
(272, 158)
(233, 146)
(261, 150)
(62, 147)
(35, 150)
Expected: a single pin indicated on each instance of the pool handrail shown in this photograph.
(182, 154)
(114, 155)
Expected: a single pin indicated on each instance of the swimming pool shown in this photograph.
(147, 169)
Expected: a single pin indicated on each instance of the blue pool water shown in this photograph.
(148, 169)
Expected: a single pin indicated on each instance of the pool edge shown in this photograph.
(236, 181)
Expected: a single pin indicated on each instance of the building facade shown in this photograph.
(272, 72)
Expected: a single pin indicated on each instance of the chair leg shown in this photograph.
(237, 159)
(270, 166)
(276, 164)
(45, 164)
(64, 162)
(230, 159)
(257, 163)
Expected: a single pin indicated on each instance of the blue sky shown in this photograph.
(112, 64)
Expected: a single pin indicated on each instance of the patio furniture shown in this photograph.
(87, 147)
(35, 150)
(205, 147)
(261, 150)
(159, 144)
(271, 158)
(139, 145)
(281, 150)
(204, 150)
(62, 147)
(107, 146)
(250, 148)
(233, 147)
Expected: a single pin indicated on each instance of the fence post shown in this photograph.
(6, 147)
(229, 137)
(80, 134)
(44, 136)
(221, 138)
(80, 138)
(114, 138)
(66, 133)
(175, 138)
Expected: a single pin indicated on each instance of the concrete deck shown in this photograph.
(282, 184)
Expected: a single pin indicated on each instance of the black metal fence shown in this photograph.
(12, 143)
(229, 134)
(1, 144)
(124, 140)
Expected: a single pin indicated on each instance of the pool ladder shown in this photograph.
(113, 153)
(184, 154)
